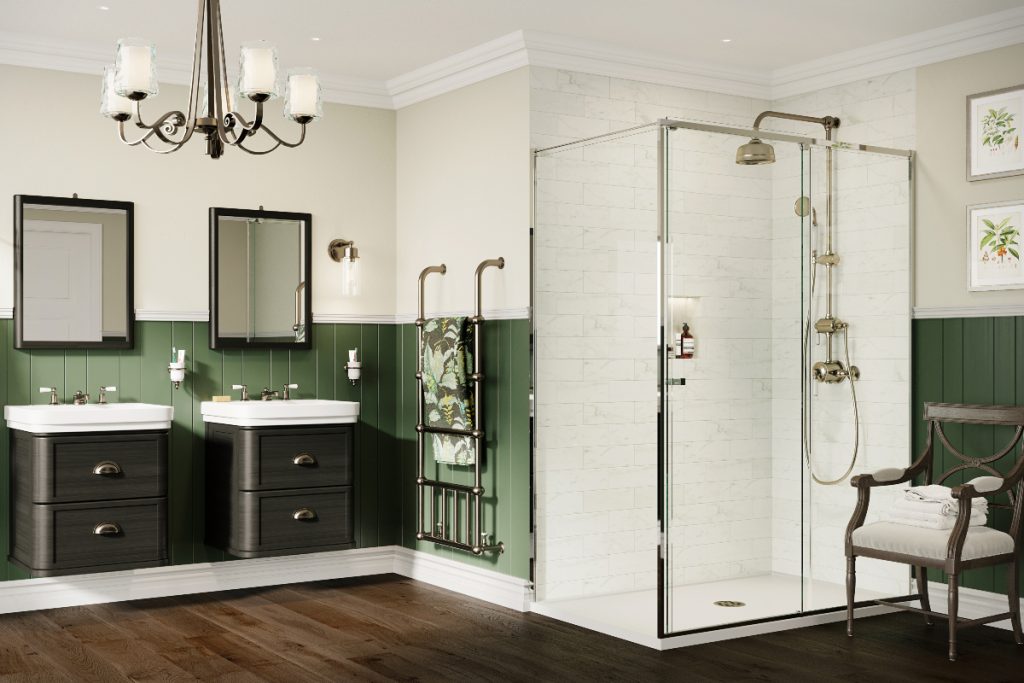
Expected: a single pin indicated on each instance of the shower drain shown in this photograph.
(730, 603)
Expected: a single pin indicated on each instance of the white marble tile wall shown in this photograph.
(736, 425)
(595, 306)
(872, 294)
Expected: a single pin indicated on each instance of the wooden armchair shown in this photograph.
(962, 547)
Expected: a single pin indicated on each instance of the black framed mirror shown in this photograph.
(73, 273)
(260, 290)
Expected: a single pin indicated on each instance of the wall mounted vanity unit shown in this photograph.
(279, 476)
(88, 487)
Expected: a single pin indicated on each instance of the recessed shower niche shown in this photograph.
(679, 497)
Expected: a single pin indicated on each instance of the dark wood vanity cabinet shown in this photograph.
(83, 503)
(279, 490)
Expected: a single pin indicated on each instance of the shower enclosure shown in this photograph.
(721, 329)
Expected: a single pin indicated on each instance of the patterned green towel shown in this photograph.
(447, 398)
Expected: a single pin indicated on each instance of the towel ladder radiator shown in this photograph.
(455, 512)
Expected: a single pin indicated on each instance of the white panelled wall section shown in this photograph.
(736, 423)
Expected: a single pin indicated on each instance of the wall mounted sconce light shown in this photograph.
(346, 253)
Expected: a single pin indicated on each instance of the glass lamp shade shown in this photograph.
(113, 105)
(350, 277)
(135, 68)
(257, 70)
(303, 99)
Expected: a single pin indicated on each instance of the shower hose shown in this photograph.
(807, 449)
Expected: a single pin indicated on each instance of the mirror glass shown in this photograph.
(73, 273)
(259, 264)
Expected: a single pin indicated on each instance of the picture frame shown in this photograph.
(995, 122)
(994, 246)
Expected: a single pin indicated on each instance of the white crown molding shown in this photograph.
(573, 54)
(45, 53)
(207, 577)
(532, 48)
(967, 311)
(963, 38)
(470, 66)
(6, 313)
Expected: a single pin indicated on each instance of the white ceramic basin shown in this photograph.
(109, 417)
(280, 413)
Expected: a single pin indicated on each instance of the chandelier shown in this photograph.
(132, 78)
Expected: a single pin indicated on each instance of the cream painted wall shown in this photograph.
(54, 142)
(463, 195)
(943, 192)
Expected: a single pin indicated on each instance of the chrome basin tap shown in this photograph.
(79, 398)
(103, 394)
(52, 391)
(268, 395)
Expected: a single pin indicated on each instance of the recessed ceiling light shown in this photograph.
(726, 40)
(103, 7)
(315, 40)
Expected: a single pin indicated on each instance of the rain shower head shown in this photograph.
(754, 153)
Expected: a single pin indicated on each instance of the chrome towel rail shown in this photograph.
(455, 515)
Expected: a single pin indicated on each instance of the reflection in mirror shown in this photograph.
(260, 285)
(73, 273)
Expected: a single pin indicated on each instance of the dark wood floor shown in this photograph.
(390, 628)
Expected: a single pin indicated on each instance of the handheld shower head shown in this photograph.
(755, 153)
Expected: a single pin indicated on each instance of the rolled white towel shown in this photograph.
(934, 507)
(943, 496)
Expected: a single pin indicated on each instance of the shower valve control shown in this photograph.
(829, 325)
(833, 372)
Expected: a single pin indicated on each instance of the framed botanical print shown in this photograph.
(994, 123)
(994, 247)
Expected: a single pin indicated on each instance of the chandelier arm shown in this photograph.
(257, 152)
(197, 60)
(164, 127)
(144, 140)
(302, 137)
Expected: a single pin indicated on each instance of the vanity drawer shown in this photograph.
(61, 538)
(92, 468)
(294, 520)
(289, 459)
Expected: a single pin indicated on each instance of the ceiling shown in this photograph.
(380, 40)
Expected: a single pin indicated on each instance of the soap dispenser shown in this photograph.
(687, 344)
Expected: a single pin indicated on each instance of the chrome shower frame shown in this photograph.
(662, 127)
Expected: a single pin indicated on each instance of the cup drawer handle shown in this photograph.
(304, 460)
(304, 515)
(107, 469)
(106, 529)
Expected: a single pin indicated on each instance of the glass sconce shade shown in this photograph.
(303, 99)
(350, 277)
(257, 70)
(113, 105)
(135, 68)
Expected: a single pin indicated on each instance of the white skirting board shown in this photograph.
(157, 582)
(973, 603)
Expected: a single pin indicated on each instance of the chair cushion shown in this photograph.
(982, 541)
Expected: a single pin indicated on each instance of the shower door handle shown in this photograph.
(676, 382)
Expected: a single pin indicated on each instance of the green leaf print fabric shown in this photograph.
(447, 398)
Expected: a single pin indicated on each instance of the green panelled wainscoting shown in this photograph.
(505, 469)
(385, 460)
(970, 360)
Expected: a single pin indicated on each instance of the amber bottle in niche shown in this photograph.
(687, 344)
